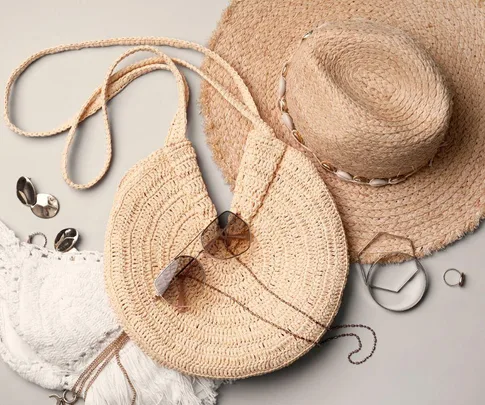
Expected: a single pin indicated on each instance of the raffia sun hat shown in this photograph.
(251, 314)
(387, 99)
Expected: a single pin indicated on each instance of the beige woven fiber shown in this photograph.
(298, 250)
(246, 320)
(369, 91)
(377, 89)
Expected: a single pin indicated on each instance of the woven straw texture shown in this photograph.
(385, 100)
(298, 251)
(288, 283)
(382, 98)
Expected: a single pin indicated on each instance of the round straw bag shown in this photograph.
(251, 314)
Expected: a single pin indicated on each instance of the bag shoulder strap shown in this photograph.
(114, 83)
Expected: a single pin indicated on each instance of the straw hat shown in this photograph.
(387, 98)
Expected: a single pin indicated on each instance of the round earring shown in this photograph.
(30, 238)
(42, 205)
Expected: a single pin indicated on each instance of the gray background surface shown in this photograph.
(431, 355)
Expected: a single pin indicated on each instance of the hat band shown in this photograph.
(329, 167)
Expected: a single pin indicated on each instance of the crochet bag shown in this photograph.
(252, 314)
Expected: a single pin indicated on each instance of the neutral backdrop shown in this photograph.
(433, 354)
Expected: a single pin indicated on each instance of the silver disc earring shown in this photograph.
(42, 205)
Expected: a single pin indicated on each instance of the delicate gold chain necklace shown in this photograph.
(92, 372)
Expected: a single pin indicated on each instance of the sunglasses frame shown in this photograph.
(204, 250)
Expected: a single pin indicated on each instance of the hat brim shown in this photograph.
(434, 207)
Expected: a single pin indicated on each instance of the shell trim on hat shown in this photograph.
(438, 204)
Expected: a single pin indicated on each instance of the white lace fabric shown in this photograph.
(55, 318)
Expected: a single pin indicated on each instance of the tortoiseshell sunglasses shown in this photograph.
(226, 237)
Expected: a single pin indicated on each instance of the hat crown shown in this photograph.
(367, 99)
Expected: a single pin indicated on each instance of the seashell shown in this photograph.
(378, 182)
(288, 121)
(328, 166)
(282, 87)
(307, 35)
(343, 175)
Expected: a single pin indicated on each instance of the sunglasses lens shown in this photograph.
(226, 237)
(180, 282)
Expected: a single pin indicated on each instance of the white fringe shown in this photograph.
(154, 385)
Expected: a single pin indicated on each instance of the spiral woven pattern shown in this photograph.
(244, 319)
(435, 206)
(298, 250)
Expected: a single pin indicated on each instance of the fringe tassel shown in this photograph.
(154, 385)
